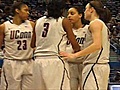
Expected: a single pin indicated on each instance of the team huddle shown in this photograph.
(56, 52)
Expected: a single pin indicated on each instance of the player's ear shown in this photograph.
(17, 11)
(80, 15)
(92, 9)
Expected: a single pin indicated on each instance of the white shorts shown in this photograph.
(17, 75)
(95, 77)
(51, 73)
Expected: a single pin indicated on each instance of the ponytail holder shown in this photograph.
(104, 7)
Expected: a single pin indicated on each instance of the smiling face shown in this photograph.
(73, 15)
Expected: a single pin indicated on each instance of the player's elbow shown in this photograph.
(32, 46)
(97, 46)
(77, 48)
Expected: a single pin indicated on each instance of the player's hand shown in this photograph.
(68, 56)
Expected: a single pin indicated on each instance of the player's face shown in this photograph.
(87, 12)
(73, 15)
(24, 12)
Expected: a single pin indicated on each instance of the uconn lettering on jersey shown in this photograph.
(17, 34)
(80, 40)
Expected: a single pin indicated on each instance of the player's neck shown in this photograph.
(77, 25)
(93, 17)
(17, 20)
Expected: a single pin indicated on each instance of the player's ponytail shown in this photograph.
(101, 10)
(105, 16)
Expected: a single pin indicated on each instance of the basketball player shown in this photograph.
(16, 34)
(50, 71)
(76, 17)
(96, 48)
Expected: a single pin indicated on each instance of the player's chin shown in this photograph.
(25, 18)
(72, 21)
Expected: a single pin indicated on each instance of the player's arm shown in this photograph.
(96, 30)
(2, 27)
(32, 24)
(68, 28)
(33, 41)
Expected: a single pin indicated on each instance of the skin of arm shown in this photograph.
(33, 24)
(68, 28)
(96, 30)
(2, 27)
(33, 40)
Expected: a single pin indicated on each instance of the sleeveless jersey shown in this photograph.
(80, 35)
(49, 36)
(17, 40)
(100, 56)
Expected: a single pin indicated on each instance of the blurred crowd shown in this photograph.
(38, 9)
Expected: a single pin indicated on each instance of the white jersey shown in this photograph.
(80, 35)
(100, 56)
(17, 40)
(49, 36)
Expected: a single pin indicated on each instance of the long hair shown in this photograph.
(101, 10)
(55, 8)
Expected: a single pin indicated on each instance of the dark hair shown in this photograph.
(80, 10)
(17, 5)
(55, 8)
(102, 11)
(7, 9)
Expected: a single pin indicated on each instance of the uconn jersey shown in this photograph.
(17, 40)
(99, 56)
(80, 35)
(49, 36)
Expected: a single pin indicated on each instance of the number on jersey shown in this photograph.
(22, 45)
(45, 31)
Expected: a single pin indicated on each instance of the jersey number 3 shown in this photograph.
(45, 31)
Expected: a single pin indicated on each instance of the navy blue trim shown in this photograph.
(65, 70)
(60, 43)
(92, 70)
(5, 79)
(95, 79)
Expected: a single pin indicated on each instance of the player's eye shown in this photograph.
(72, 13)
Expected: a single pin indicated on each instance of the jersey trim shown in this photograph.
(91, 70)
(60, 43)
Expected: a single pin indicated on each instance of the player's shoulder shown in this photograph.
(2, 27)
(40, 21)
(86, 26)
(96, 23)
(8, 22)
(4, 23)
(41, 18)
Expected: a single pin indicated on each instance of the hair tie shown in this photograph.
(104, 7)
